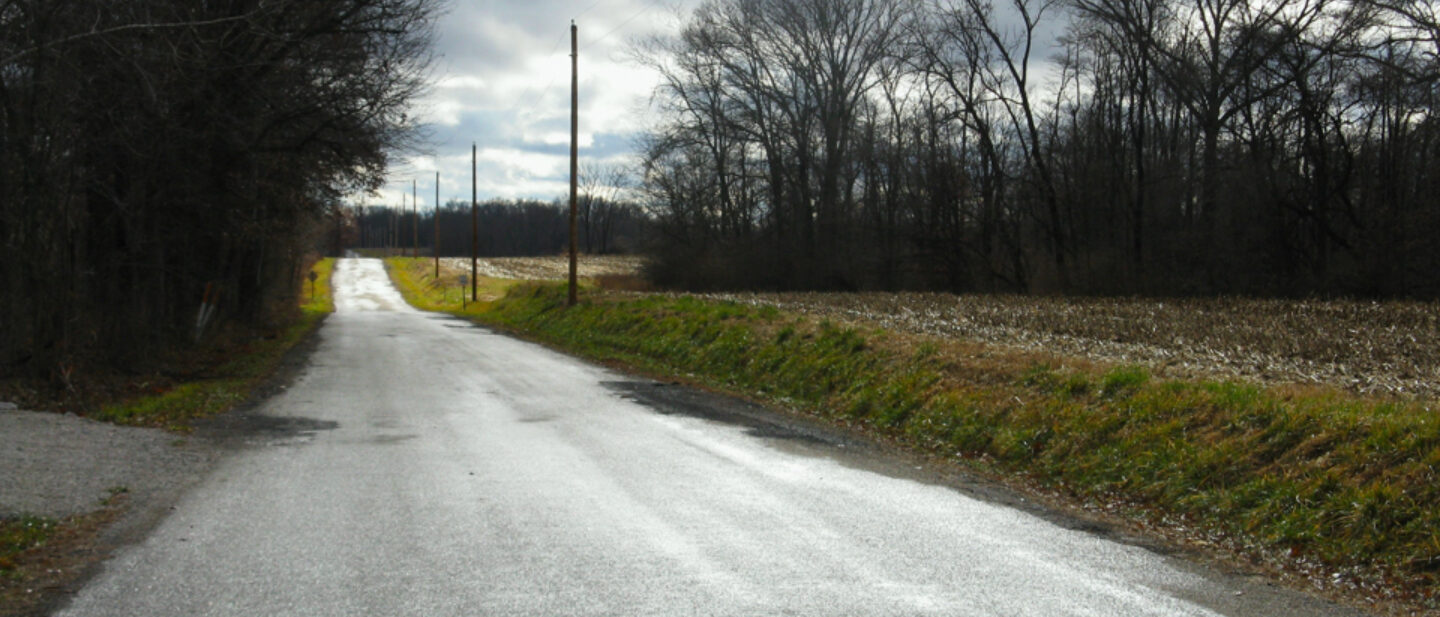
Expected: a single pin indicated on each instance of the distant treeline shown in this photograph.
(519, 228)
(157, 153)
(1277, 147)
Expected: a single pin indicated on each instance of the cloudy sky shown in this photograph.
(502, 81)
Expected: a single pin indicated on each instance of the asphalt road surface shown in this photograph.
(423, 466)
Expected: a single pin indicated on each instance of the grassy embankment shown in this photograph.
(415, 277)
(1307, 480)
(216, 389)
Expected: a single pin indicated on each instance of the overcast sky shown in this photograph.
(502, 81)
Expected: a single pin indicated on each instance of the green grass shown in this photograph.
(219, 389)
(1310, 475)
(420, 287)
(21, 534)
(319, 299)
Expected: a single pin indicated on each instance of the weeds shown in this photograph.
(21, 534)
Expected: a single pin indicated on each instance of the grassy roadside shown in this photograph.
(217, 389)
(415, 277)
(20, 534)
(39, 556)
(1338, 489)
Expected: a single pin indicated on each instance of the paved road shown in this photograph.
(421, 466)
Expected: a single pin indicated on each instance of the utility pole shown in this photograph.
(574, 150)
(415, 216)
(436, 247)
(474, 229)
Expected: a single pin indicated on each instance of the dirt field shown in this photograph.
(547, 268)
(1368, 347)
(1365, 347)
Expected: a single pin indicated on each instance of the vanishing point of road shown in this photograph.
(420, 465)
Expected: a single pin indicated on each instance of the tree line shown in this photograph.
(1268, 147)
(506, 228)
(154, 153)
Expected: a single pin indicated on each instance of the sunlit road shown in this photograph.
(421, 466)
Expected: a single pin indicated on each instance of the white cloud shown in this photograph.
(460, 82)
(503, 81)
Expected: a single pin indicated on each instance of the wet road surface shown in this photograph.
(423, 466)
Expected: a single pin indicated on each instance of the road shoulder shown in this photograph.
(108, 486)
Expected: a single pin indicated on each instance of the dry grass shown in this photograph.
(36, 568)
(1363, 347)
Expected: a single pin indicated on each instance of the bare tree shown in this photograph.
(1239, 146)
(602, 203)
(154, 148)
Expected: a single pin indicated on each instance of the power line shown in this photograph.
(587, 10)
(530, 97)
(524, 100)
(644, 8)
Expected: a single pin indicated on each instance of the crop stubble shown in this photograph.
(1365, 347)
(1390, 347)
(546, 268)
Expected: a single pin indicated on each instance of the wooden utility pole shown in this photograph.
(574, 150)
(435, 248)
(415, 218)
(474, 228)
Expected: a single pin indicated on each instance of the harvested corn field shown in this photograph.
(1366, 347)
(551, 268)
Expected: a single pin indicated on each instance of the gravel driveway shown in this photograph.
(58, 465)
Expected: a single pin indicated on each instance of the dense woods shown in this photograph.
(1273, 147)
(519, 228)
(151, 150)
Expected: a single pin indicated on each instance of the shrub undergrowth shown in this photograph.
(228, 383)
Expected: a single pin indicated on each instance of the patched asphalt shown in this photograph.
(421, 466)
